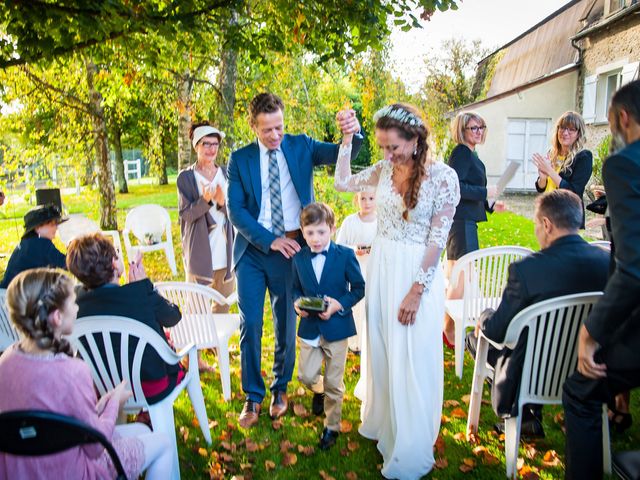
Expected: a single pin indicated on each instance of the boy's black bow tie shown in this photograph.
(313, 254)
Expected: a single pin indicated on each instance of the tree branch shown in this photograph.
(78, 103)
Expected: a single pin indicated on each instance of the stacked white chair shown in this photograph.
(485, 274)
(107, 373)
(550, 357)
(199, 325)
(148, 224)
(8, 334)
(606, 244)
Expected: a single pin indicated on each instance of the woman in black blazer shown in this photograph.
(567, 165)
(467, 130)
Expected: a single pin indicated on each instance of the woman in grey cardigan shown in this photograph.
(207, 234)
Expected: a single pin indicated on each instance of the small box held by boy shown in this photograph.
(327, 283)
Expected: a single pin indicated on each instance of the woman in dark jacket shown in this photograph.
(567, 165)
(95, 262)
(468, 129)
(36, 248)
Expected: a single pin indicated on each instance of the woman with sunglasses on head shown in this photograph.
(567, 164)
(468, 129)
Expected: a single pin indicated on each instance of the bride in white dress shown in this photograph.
(402, 365)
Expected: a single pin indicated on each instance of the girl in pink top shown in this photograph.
(40, 373)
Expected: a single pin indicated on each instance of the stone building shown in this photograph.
(610, 55)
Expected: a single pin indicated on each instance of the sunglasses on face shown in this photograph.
(476, 129)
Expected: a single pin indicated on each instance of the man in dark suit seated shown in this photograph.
(609, 341)
(566, 264)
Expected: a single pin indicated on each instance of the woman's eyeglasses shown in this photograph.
(567, 129)
(210, 144)
(476, 129)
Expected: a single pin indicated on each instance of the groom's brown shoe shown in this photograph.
(249, 415)
(279, 404)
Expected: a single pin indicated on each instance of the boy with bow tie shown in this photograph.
(331, 272)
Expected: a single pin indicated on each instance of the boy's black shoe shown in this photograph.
(317, 404)
(328, 439)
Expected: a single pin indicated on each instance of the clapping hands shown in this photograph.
(543, 164)
(136, 269)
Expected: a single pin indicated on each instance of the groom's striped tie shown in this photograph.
(277, 217)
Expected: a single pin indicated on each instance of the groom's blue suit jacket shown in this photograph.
(245, 192)
(341, 279)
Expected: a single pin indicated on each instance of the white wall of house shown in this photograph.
(517, 123)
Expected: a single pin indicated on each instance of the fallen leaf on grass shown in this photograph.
(231, 447)
(444, 419)
(528, 473)
(460, 437)
(451, 403)
(225, 457)
(440, 445)
(466, 399)
(345, 426)
(344, 452)
(269, 465)
(306, 450)
(479, 450)
(441, 463)
(212, 424)
(194, 422)
(469, 462)
(351, 476)
(300, 391)
(559, 418)
(216, 472)
(246, 466)
(458, 413)
(325, 476)
(277, 424)
(203, 452)
(237, 477)
(530, 451)
(285, 446)
(251, 445)
(289, 459)
(352, 446)
(550, 459)
(184, 432)
(300, 410)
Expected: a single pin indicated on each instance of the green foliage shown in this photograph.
(448, 85)
(600, 155)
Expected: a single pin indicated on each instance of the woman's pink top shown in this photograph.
(61, 384)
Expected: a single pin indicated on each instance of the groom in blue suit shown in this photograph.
(270, 181)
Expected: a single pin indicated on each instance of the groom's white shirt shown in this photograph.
(291, 206)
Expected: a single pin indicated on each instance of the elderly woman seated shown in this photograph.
(95, 262)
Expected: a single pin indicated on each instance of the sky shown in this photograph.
(494, 22)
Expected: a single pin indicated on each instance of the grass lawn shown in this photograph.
(287, 449)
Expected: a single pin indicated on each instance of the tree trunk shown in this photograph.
(227, 86)
(162, 176)
(108, 219)
(185, 86)
(117, 146)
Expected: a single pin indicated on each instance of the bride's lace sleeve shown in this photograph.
(346, 182)
(447, 196)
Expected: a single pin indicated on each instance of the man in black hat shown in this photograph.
(36, 248)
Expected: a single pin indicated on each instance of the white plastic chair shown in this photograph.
(149, 222)
(107, 373)
(8, 334)
(551, 356)
(200, 325)
(485, 274)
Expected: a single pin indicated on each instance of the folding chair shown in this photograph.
(37, 432)
(8, 333)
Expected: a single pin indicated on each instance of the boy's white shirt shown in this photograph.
(317, 263)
